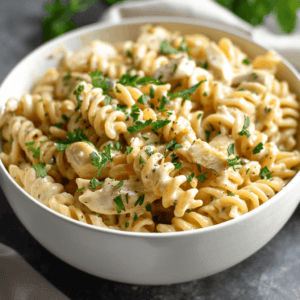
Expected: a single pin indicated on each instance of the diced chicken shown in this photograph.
(153, 36)
(205, 155)
(260, 76)
(102, 201)
(175, 69)
(218, 62)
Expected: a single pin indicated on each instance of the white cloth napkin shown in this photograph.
(266, 35)
(18, 280)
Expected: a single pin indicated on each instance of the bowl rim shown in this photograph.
(146, 20)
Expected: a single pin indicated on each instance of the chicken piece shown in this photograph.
(175, 69)
(102, 201)
(205, 155)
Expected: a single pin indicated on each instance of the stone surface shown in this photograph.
(272, 273)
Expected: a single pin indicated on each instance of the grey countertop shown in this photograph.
(271, 273)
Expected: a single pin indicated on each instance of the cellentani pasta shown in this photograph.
(168, 133)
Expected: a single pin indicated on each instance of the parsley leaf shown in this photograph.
(199, 116)
(128, 149)
(143, 99)
(80, 190)
(207, 133)
(230, 149)
(119, 184)
(140, 200)
(148, 207)
(40, 168)
(246, 62)
(128, 80)
(146, 79)
(105, 158)
(245, 126)
(36, 152)
(107, 100)
(231, 194)
(202, 177)
(186, 92)
(142, 160)
(152, 91)
(233, 162)
(265, 172)
(149, 152)
(99, 81)
(190, 177)
(139, 125)
(258, 148)
(76, 93)
(166, 48)
(135, 112)
(135, 217)
(119, 204)
(72, 137)
(160, 124)
(183, 46)
(118, 145)
(177, 165)
(95, 182)
(163, 102)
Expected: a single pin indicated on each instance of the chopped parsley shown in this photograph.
(254, 75)
(186, 92)
(231, 194)
(105, 158)
(41, 100)
(119, 184)
(140, 200)
(128, 149)
(143, 99)
(203, 66)
(119, 204)
(166, 48)
(207, 133)
(139, 125)
(199, 116)
(233, 162)
(247, 171)
(204, 94)
(58, 125)
(142, 160)
(72, 137)
(190, 177)
(76, 93)
(246, 62)
(148, 207)
(30, 143)
(202, 177)
(145, 138)
(135, 217)
(163, 102)
(160, 124)
(129, 54)
(183, 46)
(67, 78)
(146, 79)
(40, 168)
(36, 152)
(95, 182)
(172, 145)
(174, 69)
(80, 190)
(149, 152)
(107, 100)
(177, 165)
(152, 91)
(100, 82)
(135, 112)
(265, 172)
(128, 80)
(245, 126)
(126, 224)
(118, 145)
(65, 118)
(230, 149)
(188, 211)
(258, 148)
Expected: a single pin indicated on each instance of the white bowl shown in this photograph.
(145, 258)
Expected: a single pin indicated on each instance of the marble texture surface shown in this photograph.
(270, 274)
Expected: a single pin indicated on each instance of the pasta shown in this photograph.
(169, 133)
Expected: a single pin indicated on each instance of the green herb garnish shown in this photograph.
(230, 149)
(139, 125)
(166, 48)
(258, 148)
(190, 177)
(72, 137)
(265, 172)
(245, 126)
(40, 168)
(95, 182)
(202, 177)
(140, 200)
(119, 204)
(186, 92)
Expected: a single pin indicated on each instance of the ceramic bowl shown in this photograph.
(145, 258)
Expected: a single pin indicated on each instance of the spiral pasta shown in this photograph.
(166, 133)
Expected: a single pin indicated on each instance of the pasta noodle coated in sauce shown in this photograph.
(164, 134)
